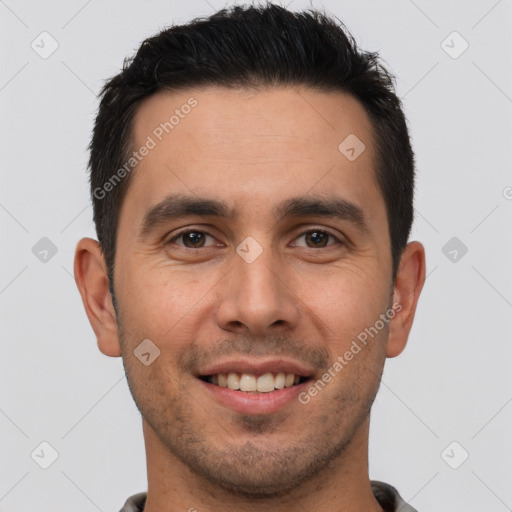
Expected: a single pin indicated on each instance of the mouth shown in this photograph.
(254, 383)
(255, 386)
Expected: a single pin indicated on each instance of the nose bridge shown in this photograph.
(259, 277)
(256, 297)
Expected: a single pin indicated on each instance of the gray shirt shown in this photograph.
(385, 494)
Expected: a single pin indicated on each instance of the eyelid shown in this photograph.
(320, 229)
(186, 230)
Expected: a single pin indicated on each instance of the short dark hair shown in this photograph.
(252, 47)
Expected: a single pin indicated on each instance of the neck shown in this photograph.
(343, 486)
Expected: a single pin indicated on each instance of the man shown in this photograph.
(252, 180)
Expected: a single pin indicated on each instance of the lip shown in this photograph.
(255, 403)
(257, 367)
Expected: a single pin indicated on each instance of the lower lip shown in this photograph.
(255, 403)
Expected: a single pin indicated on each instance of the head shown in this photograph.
(252, 181)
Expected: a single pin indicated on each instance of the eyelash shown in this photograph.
(312, 230)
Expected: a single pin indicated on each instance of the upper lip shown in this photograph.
(257, 367)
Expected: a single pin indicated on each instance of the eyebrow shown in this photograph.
(176, 206)
(321, 206)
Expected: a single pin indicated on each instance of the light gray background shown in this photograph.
(452, 383)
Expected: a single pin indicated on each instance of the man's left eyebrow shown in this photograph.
(319, 206)
(175, 206)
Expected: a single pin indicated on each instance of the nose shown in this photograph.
(257, 298)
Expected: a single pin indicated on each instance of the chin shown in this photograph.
(258, 471)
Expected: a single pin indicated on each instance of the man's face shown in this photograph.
(272, 285)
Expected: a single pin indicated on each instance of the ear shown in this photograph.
(408, 285)
(92, 280)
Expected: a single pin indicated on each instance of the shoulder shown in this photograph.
(389, 498)
(135, 503)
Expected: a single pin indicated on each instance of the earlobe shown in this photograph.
(92, 281)
(407, 288)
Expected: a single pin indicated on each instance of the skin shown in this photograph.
(301, 298)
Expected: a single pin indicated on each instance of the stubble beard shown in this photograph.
(254, 469)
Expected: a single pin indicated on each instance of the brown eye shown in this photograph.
(191, 239)
(316, 239)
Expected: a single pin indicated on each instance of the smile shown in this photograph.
(251, 383)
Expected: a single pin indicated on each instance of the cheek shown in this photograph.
(158, 299)
(345, 302)
(170, 306)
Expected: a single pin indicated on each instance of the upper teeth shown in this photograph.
(248, 382)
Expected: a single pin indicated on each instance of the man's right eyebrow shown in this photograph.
(176, 205)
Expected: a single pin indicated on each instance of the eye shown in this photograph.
(316, 239)
(192, 239)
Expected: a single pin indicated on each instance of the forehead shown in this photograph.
(253, 146)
